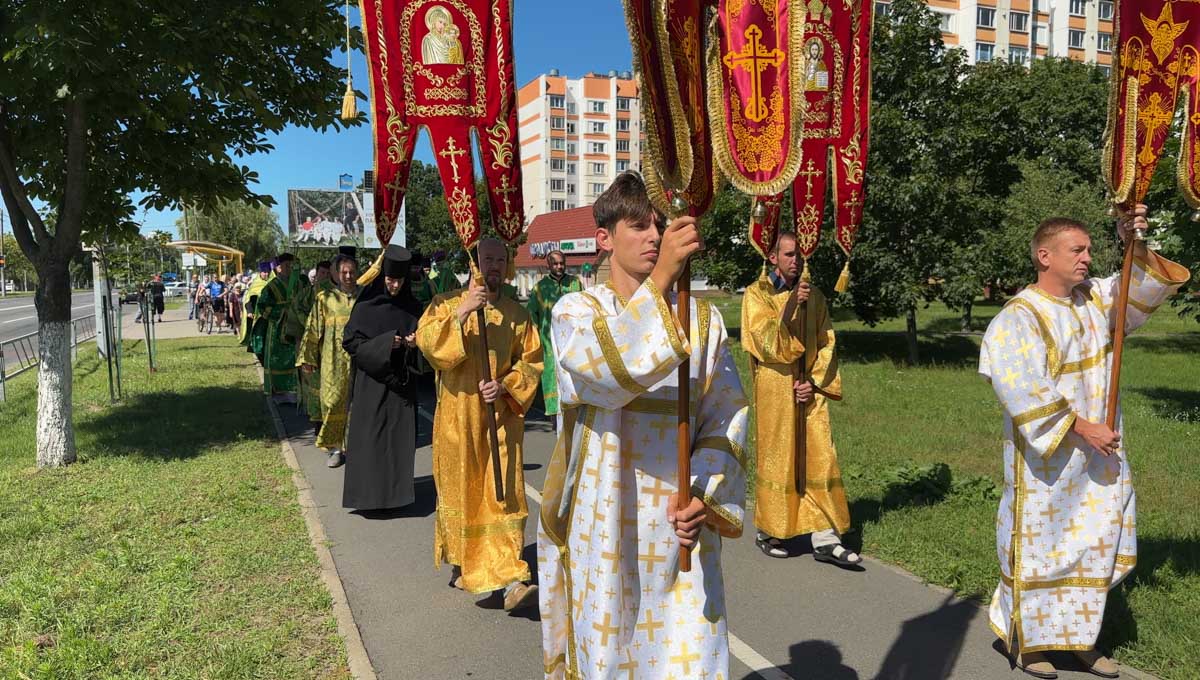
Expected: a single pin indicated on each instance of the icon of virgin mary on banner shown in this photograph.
(445, 65)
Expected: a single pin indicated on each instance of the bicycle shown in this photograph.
(206, 315)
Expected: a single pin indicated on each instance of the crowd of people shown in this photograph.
(606, 361)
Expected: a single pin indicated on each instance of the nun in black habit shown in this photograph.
(381, 438)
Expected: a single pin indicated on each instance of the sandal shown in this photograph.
(456, 580)
(771, 547)
(1098, 664)
(837, 554)
(1037, 665)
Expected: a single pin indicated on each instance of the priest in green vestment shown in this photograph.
(272, 324)
(541, 302)
(250, 301)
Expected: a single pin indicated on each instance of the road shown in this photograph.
(790, 619)
(18, 317)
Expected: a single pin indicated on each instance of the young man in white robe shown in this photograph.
(613, 600)
(1065, 532)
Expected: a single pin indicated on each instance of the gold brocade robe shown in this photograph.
(473, 530)
(775, 345)
(321, 346)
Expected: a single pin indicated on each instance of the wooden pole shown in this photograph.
(683, 289)
(489, 411)
(800, 373)
(1114, 382)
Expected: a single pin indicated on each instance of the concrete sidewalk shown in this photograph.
(789, 619)
(175, 324)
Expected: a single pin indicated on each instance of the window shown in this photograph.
(570, 128)
(596, 147)
(945, 22)
(570, 107)
(1075, 38)
(557, 164)
(558, 204)
(571, 206)
(622, 103)
(985, 17)
(572, 149)
(558, 143)
(570, 168)
(1078, 7)
(596, 106)
(557, 122)
(1043, 34)
(557, 185)
(1018, 22)
(557, 101)
(597, 187)
(1105, 9)
(596, 126)
(983, 52)
(883, 10)
(622, 145)
(622, 166)
(1104, 42)
(1107, 70)
(1018, 55)
(622, 125)
(599, 168)
(570, 188)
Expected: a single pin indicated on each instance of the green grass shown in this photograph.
(175, 547)
(898, 420)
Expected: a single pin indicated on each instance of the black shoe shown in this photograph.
(837, 554)
(771, 547)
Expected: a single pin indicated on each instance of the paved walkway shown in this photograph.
(789, 619)
(175, 324)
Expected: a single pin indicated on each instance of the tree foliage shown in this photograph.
(252, 228)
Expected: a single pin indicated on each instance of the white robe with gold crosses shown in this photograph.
(613, 602)
(1065, 531)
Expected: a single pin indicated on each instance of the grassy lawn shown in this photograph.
(174, 548)
(898, 422)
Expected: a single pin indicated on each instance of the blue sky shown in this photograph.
(573, 36)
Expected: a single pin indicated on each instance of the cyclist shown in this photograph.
(216, 293)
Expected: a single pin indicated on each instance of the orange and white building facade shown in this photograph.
(576, 136)
(1002, 29)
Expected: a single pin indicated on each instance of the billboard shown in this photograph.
(320, 218)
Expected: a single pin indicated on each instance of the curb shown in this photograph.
(356, 652)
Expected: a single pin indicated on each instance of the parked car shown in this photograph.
(176, 290)
(127, 296)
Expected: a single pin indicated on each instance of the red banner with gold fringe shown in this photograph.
(1155, 63)
(755, 69)
(445, 65)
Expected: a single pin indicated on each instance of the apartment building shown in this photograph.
(576, 136)
(1004, 29)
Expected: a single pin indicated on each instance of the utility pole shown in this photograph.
(3, 263)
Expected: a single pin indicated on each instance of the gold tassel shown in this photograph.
(373, 271)
(843, 282)
(805, 275)
(349, 102)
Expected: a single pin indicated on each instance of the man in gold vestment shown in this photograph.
(479, 535)
(773, 336)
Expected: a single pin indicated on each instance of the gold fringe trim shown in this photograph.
(843, 282)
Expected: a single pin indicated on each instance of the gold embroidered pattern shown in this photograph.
(722, 444)
(1092, 361)
(612, 356)
(482, 530)
(500, 138)
(1053, 364)
(475, 66)
(669, 325)
(1041, 412)
(460, 212)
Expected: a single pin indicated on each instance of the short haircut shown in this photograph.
(784, 235)
(284, 257)
(559, 253)
(323, 264)
(624, 199)
(1048, 230)
(341, 259)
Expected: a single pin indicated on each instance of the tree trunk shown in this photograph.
(965, 325)
(914, 355)
(55, 428)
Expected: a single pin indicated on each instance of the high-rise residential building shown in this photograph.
(576, 136)
(1002, 29)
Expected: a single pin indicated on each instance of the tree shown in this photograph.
(251, 227)
(112, 97)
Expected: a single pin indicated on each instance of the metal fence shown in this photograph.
(20, 354)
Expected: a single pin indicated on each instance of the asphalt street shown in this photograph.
(18, 317)
(789, 618)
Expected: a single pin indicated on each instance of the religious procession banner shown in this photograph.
(668, 56)
(445, 65)
(1155, 63)
(836, 82)
(756, 71)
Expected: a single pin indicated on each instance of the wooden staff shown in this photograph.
(1119, 329)
(800, 410)
(683, 497)
(485, 369)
